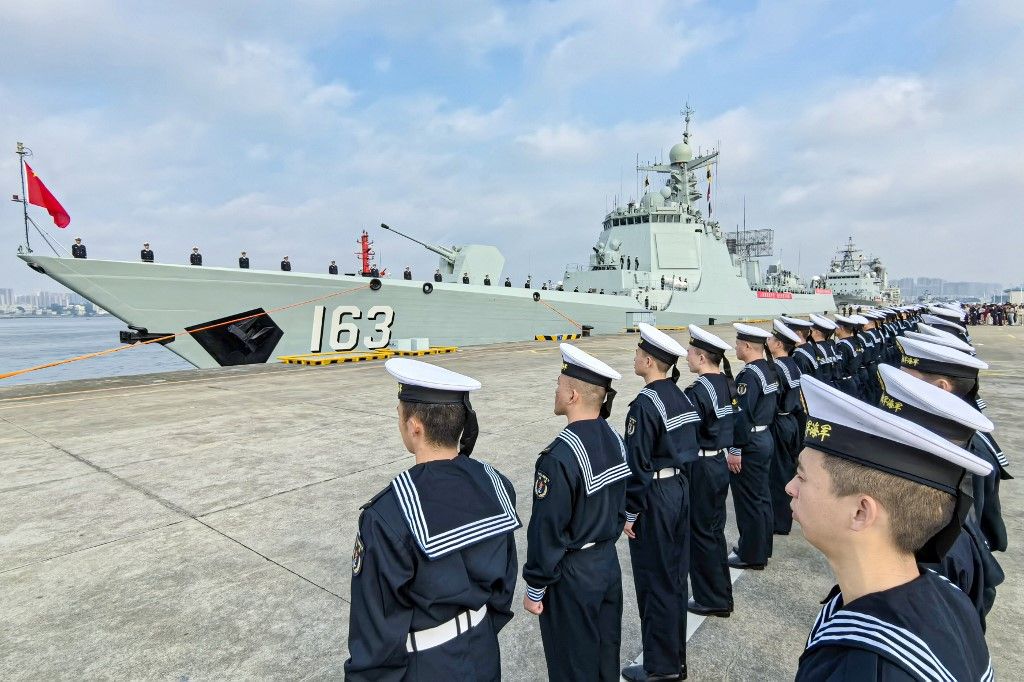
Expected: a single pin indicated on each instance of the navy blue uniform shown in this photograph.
(832, 361)
(421, 562)
(757, 394)
(848, 364)
(661, 444)
(787, 437)
(806, 359)
(579, 496)
(987, 507)
(970, 565)
(872, 391)
(922, 630)
(712, 396)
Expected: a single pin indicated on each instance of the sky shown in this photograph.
(288, 128)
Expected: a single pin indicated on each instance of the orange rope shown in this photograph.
(557, 311)
(117, 349)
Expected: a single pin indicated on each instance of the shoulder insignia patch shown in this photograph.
(357, 555)
(540, 485)
(741, 389)
(631, 426)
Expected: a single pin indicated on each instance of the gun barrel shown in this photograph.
(447, 254)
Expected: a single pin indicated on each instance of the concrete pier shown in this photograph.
(199, 525)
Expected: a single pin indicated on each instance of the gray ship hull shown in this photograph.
(325, 312)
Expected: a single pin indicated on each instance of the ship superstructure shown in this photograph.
(858, 280)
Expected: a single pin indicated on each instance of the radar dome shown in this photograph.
(666, 192)
(680, 153)
(652, 200)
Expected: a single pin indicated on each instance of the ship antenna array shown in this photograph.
(22, 152)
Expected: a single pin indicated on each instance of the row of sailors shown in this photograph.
(876, 489)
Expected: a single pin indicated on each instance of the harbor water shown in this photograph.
(31, 341)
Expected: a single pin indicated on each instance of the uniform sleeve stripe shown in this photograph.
(536, 593)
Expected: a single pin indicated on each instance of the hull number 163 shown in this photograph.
(345, 332)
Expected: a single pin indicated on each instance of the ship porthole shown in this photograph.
(375, 284)
(428, 287)
(536, 295)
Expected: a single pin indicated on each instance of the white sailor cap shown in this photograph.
(581, 365)
(784, 333)
(942, 322)
(750, 333)
(951, 314)
(847, 321)
(822, 323)
(796, 322)
(929, 406)
(421, 382)
(932, 358)
(933, 335)
(707, 341)
(659, 344)
(847, 427)
(859, 319)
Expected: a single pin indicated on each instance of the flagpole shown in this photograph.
(22, 152)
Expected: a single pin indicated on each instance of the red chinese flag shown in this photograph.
(40, 196)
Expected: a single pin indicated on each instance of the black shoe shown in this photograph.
(636, 673)
(736, 562)
(694, 607)
(782, 532)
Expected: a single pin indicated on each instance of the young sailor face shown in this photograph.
(693, 359)
(563, 395)
(815, 507)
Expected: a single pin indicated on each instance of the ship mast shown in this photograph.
(22, 152)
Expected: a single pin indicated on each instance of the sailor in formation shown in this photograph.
(849, 356)
(432, 581)
(969, 563)
(572, 574)
(750, 458)
(805, 355)
(243, 261)
(872, 490)
(822, 329)
(786, 427)
(661, 446)
(78, 249)
(957, 372)
(146, 254)
(713, 396)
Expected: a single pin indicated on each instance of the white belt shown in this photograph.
(667, 472)
(709, 453)
(445, 632)
(588, 545)
(757, 429)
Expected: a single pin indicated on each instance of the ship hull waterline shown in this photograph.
(166, 298)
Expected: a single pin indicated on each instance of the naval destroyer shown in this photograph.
(857, 280)
(657, 259)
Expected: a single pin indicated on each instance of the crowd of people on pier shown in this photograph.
(866, 429)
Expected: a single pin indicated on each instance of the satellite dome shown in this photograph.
(652, 200)
(666, 192)
(680, 153)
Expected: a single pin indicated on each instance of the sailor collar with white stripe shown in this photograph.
(671, 422)
(790, 381)
(765, 386)
(839, 625)
(439, 528)
(929, 406)
(596, 474)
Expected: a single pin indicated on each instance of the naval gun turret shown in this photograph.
(476, 261)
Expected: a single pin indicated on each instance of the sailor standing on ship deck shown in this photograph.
(195, 258)
(78, 248)
(713, 396)
(661, 445)
(243, 261)
(146, 254)
(432, 581)
(572, 573)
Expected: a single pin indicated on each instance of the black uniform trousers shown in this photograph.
(709, 555)
(785, 432)
(752, 500)
(660, 556)
(582, 619)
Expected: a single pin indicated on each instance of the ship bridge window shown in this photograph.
(647, 218)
